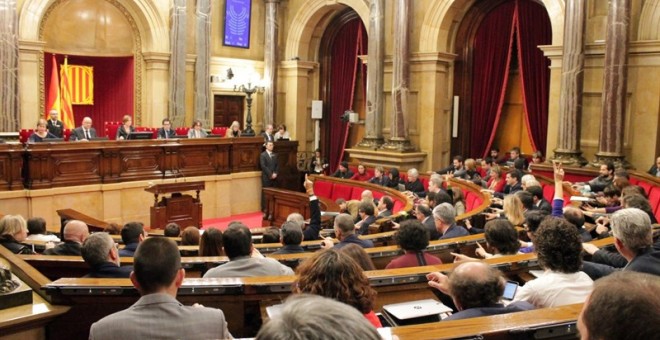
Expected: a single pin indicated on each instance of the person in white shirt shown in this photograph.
(559, 249)
(37, 231)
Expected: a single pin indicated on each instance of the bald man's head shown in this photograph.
(76, 231)
(367, 195)
(475, 284)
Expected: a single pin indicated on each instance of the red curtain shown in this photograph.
(343, 72)
(533, 30)
(492, 56)
(113, 88)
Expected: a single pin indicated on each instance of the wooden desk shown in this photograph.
(11, 164)
(184, 210)
(29, 320)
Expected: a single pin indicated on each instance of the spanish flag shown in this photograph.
(53, 99)
(65, 96)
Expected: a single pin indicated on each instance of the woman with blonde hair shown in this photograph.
(126, 128)
(335, 275)
(513, 210)
(13, 231)
(234, 130)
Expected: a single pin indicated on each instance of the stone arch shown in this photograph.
(442, 19)
(152, 29)
(308, 20)
(649, 21)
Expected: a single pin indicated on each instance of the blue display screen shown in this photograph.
(237, 23)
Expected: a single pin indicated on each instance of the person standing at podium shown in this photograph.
(269, 168)
(84, 132)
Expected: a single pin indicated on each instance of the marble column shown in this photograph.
(375, 65)
(399, 140)
(202, 70)
(9, 100)
(270, 60)
(177, 98)
(572, 78)
(615, 78)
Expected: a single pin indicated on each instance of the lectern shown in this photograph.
(184, 210)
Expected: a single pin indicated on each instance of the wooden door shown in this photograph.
(227, 109)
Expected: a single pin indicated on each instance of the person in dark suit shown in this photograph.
(345, 231)
(385, 206)
(75, 233)
(475, 289)
(101, 254)
(268, 134)
(343, 171)
(291, 236)
(313, 230)
(540, 203)
(366, 213)
(126, 128)
(84, 132)
(55, 126)
(166, 132)
(425, 215)
(269, 168)
(157, 275)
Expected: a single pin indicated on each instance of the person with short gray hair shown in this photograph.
(291, 235)
(345, 232)
(413, 184)
(306, 316)
(102, 256)
(445, 222)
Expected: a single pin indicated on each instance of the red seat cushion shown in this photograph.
(356, 194)
(323, 189)
(377, 194)
(633, 181)
(398, 205)
(548, 192)
(342, 191)
(654, 201)
(646, 186)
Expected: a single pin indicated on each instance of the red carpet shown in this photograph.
(252, 220)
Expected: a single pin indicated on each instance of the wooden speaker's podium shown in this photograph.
(184, 210)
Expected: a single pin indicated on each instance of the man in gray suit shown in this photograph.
(84, 132)
(157, 275)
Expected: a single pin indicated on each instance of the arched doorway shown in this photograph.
(502, 78)
(342, 82)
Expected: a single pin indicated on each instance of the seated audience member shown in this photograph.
(526, 199)
(445, 221)
(379, 177)
(237, 241)
(526, 179)
(532, 222)
(540, 203)
(471, 173)
(270, 235)
(37, 231)
(537, 158)
(301, 319)
(575, 217)
(131, 235)
(312, 231)
(456, 168)
(333, 274)
(84, 132)
(633, 239)
(166, 131)
(605, 178)
(394, 179)
(458, 201)
(495, 155)
(343, 171)
(501, 239)
(486, 164)
(476, 289)
(512, 210)
(318, 164)
(197, 131)
(172, 230)
(359, 255)
(291, 236)
(40, 133)
(190, 236)
(435, 184)
(424, 214)
(495, 182)
(361, 174)
(513, 185)
(112, 229)
(413, 238)
(157, 275)
(13, 231)
(514, 155)
(520, 164)
(559, 249)
(268, 134)
(623, 306)
(75, 233)
(631, 201)
(126, 128)
(210, 243)
(366, 213)
(234, 130)
(100, 252)
(345, 232)
(655, 168)
(385, 206)
(413, 184)
(282, 133)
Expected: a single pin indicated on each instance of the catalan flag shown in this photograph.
(81, 81)
(65, 97)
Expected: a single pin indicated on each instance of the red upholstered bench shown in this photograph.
(342, 191)
(323, 189)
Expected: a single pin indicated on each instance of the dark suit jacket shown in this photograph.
(383, 180)
(268, 167)
(454, 231)
(290, 249)
(163, 134)
(648, 261)
(79, 134)
(348, 174)
(364, 225)
(57, 128)
(416, 188)
(314, 227)
(355, 240)
(429, 223)
(110, 270)
(268, 138)
(517, 306)
(123, 133)
(66, 248)
(544, 205)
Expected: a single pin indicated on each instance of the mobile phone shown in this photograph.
(510, 289)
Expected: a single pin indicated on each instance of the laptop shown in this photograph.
(414, 312)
